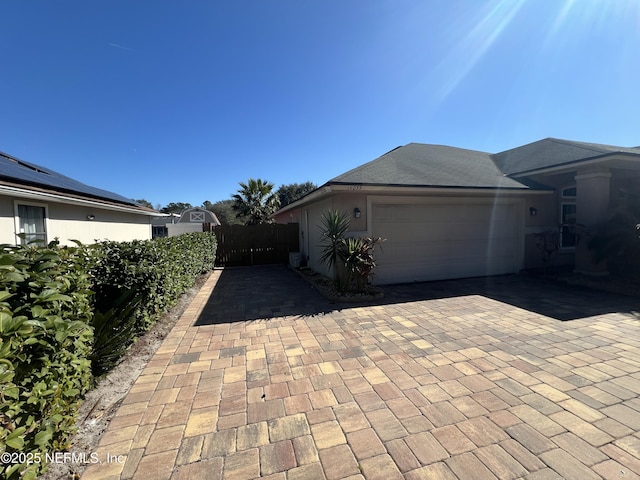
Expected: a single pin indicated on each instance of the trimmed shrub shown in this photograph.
(45, 342)
(136, 282)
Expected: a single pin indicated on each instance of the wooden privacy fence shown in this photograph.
(245, 245)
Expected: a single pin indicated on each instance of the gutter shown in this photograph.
(368, 188)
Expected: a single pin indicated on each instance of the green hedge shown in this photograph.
(45, 342)
(66, 316)
(136, 282)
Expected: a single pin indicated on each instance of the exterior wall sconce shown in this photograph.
(91, 217)
(533, 211)
(356, 212)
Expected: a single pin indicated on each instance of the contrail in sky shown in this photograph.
(120, 46)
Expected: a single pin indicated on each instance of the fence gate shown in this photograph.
(245, 245)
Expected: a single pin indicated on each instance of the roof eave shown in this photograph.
(80, 201)
(390, 188)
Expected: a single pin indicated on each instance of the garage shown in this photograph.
(446, 238)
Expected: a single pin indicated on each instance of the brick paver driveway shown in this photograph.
(492, 378)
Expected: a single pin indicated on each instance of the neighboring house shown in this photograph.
(37, 203)
(448, 212)
(194, 219)
(159, 224)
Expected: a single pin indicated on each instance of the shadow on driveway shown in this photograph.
(263, 292)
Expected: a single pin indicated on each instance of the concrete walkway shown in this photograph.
(469, 379)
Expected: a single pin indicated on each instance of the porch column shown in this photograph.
(592, 209)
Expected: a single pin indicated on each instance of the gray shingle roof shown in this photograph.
(29, 174)
(418, 164)
(553, 152)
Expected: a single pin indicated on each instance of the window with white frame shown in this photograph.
(568, 218)
(31, 223)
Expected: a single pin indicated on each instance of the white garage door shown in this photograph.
(438, 241)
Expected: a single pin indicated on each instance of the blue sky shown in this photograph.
(179, 101)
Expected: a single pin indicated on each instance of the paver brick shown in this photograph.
(579, 449)
(582, 429)
(350, 417)
(567, 466)
(165, 439)
(386, 425)
(381, 467)
(452, 439)
(402, 455)
(201, 421)
(468, 466)
(277, 457)
(426, 448)
(482, 431)
(365, 443)
(530, 438)
(468, 406)
(537, 420)
(157, 466)
(288, 427)
(252, 436)
(242, 465)
(204, 470)
(338, 462)
(435, 471)
(610, 470)
(327, 434)
(503, 465)
(305, 450)
(630, 444)
(142, 436)
(219, 444)
(443, 413)
(544, 474)
(190, 450)
(312, 471)
(623, 414)
(131, 464)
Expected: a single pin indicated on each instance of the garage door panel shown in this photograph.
(437, 232)
(430, 242)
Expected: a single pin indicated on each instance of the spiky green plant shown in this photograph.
(334, 226)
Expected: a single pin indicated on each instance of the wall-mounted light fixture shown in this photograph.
(533, 211)
(356, 212)
(91, 217)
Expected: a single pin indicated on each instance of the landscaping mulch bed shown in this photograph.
(326, 288)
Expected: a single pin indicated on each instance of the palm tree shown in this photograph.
(255, 201)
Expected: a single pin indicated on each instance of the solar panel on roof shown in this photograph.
(24, 172)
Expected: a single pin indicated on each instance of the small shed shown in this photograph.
(196, 219)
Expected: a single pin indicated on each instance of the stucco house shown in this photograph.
(448, 212)
(37, 203)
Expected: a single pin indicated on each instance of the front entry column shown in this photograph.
(592, 209)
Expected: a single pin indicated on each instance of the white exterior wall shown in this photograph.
(174, 229)
(71, 222)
